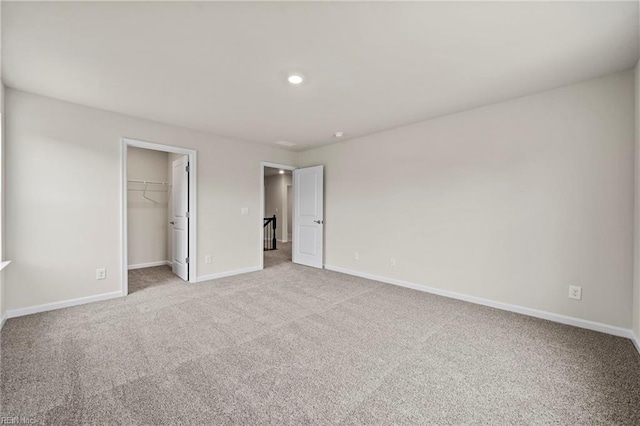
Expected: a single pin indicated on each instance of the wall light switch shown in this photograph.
(207, 259)
(101, 273)
(356, 256)
(244, 211)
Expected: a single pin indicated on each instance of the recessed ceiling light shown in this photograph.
(281, 172)
(295, 79)
(338, 134)
(284, 143)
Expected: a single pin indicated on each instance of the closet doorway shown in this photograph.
(158, 215)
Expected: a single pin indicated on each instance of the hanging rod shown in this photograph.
(146, 183)
(151, 182)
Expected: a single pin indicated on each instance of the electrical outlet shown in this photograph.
(244, 211)
(392, 261)
(101, 273)
(575, 292)
(356, 256)
(207, 259)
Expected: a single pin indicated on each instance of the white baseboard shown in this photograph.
(149, 265)
(59, 305)
(636, 341)
(203, 278)
(563, 319)
(3, 319)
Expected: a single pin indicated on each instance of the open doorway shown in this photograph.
(276, 238)
(158, 215)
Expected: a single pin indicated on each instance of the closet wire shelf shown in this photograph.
(149, 186)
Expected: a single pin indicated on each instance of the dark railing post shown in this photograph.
(274, 233)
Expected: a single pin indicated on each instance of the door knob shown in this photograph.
(172, 222)
(319, 222)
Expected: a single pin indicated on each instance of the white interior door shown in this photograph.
(308, 220)
(180, 220)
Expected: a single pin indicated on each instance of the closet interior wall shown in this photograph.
(149, 194)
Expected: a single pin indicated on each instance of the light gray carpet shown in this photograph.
(295, 345)
(278, 257)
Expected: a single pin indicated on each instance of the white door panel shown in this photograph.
(308, 218)
(180, 221)
(308, 195)
(308, 240)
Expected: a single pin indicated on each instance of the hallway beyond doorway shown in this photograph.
(276, 257)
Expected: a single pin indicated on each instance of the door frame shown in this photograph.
(264, 164)
(193, 223)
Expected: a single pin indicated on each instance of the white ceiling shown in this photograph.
(222, 67)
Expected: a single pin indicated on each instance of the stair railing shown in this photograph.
(270, 233)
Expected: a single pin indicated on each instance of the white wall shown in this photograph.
(290, 211)
(272, 196)
(276, 199)
(63, 175)
(2, 252)
(2, 235)
(147, 220)
(636, 276)
(286, 220)
(511, 202)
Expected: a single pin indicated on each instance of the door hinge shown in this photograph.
(188, 169)
(187, 214)
(187, 260)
